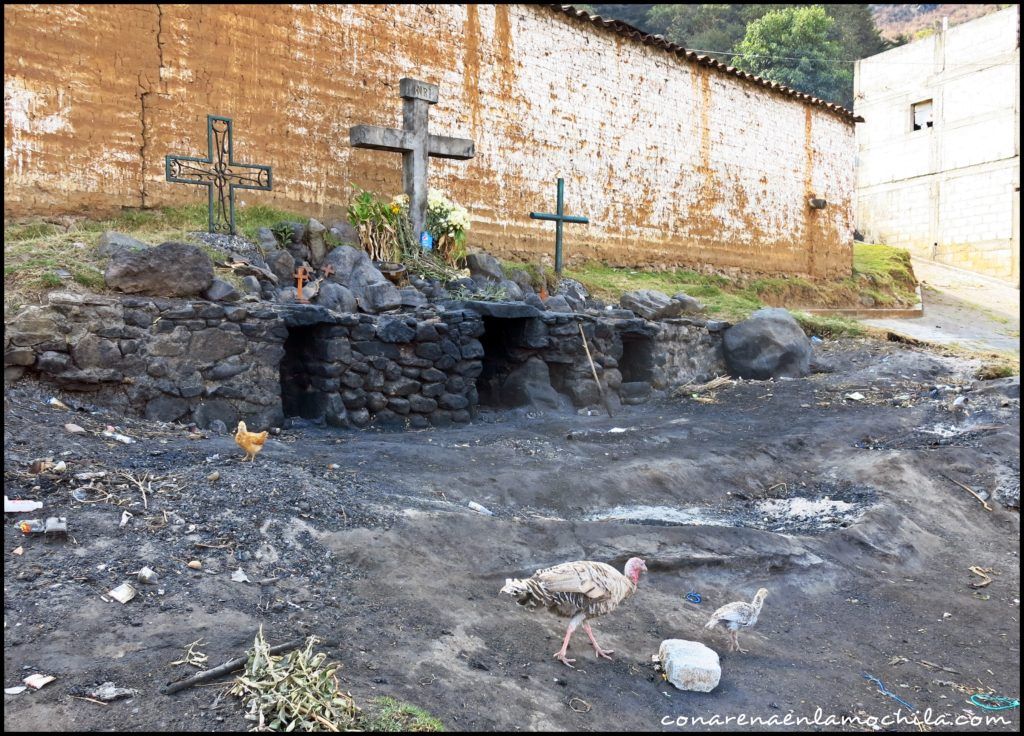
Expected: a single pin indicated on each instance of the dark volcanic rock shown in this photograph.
(768, 344)
(170, 269)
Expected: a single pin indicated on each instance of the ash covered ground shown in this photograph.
(847, 511)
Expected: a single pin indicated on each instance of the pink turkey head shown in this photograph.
(635, 566)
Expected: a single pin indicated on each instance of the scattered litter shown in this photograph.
(125, 516)
(882, 689)
(239, 576)
(195, 564)
(619, 430)
(40, 465)
(993, 702)
(16, 690)
(333, 466)
(816, 340)
(579, 705)
(693, 597)
(122, 593)
(192, 655)
(80, 494)
(110, 432)
(54, 526)
(855, 396)
(37, 681)
(109, 691)
(970, 490)
(59, 467)
(18, 506)
(56, 403)
(147, 576)
(91, 475)
(480, 509)
(981, 572)
(18, 551)
(947, 614)
(74, 429)
(214, 476)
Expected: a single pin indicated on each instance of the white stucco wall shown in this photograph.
(949, 192)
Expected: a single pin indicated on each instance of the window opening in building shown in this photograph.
(922, 114)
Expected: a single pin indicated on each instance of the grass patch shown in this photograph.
(390, 715)
(34, 250)
(879, 271)
(829, 326)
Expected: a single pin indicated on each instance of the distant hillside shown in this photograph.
(894, 22)
(911, 21)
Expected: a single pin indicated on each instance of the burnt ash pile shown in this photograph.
(363, 352)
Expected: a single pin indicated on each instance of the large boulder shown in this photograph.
(170, 269)
(768, 344)
(645, 303)
(336, 297)
(112, 242)
(485, 265)
(282, 264)
(530, 385)
(574, 292)
(651, 304)
(379, 297)
(690, 665)
(221, 291)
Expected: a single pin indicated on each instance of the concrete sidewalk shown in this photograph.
(961, 308)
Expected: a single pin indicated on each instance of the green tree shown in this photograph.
(796, 47)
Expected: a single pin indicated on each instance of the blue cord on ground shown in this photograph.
(993, 702)
(693, 597)
(882, 689)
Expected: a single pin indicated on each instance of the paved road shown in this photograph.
(962, 308)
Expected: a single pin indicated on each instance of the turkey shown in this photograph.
(735, 616)
(578, 591)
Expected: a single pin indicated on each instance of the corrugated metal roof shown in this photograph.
(635, 34)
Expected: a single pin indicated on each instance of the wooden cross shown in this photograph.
(327, 270)
(219, 173)
(301, 274)
(414, 141)
(559, 218)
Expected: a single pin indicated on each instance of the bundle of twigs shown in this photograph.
(690, 389)
(296, 692)
(429, 266)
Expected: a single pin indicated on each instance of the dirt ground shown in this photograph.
(845, 510)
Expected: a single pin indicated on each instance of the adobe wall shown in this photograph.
(673, 162)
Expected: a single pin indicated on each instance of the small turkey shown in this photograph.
(735, 616)
(578, 591)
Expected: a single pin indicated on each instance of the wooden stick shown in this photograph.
(593, 369)
(969, 490)
(231, 666)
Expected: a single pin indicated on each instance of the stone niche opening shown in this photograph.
(298, 396)
(502, 338)
(637, 362)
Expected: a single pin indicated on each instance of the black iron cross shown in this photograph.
(221, 174)
(559, 218)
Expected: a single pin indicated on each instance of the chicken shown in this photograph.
(251, 442)
(735, 616)
(577, 591)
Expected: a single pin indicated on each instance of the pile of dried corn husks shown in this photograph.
(293, 692)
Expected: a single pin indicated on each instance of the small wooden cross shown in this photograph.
(559, 218)
(301, 274)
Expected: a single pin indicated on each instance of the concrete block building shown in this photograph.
(938, 156)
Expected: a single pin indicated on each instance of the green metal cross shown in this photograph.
(219, 173)
(559, 218)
